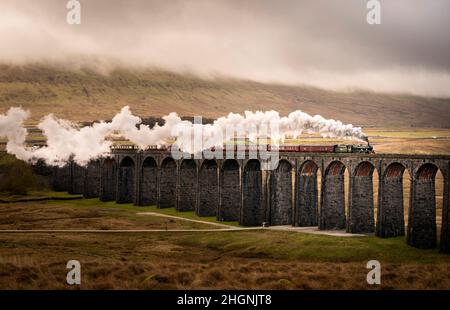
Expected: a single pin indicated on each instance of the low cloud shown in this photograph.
(321, 43)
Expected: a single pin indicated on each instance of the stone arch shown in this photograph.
(361, 208)
(208, 189)
(280, 211)
(252, 208)
(92, 179)
(391, 218)
(230, 191)
(364, 169)
(422, 211)
(148, 190)
(332, 209)
(306, 209)
(168, 183)
(108, 180)
(188, 185)
(126, 182)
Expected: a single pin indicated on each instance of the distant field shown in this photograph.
(394, 140)
(194, 260)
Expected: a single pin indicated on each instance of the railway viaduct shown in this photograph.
(239, 190)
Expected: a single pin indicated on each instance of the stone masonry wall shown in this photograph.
(108, 181)
(149, 186)
(126, 184)
(76, 184)
(168, 185)
(391, 221)
(444, 246)
(92, 180)
(422, 215)
(230, 195)
(208, 191)
(332, 212)
(281, 195)
(188, 186)
(306, 209)
(361, 209)
(252, 209)
(61, 178)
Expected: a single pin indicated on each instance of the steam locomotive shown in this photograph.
(336, 148)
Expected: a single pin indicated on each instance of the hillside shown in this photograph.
(84, 95)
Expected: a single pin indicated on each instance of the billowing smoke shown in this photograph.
(66, 141)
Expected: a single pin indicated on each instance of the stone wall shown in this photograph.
(61, 178)
(391, 221)
(444, 246)
(252, 213)
(126, 181)
(281, 195)
(422, 213)
(187, 198)
(332, 211)
(306, 210)
(92, 180)
(77, 175)
(108, 180)
(208, 189)
(168, 185)
(230, 193)
(149, 183)
(361, 209)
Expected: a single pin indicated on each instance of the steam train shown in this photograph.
(336, 148)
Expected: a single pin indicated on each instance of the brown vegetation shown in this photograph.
(196, 260)
(83, 95)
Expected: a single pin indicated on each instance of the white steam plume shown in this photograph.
(65, 140)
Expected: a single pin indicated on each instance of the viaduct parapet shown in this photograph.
(239, 190)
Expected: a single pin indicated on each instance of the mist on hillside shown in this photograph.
(320, 43)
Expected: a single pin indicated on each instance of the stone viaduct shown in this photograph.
(239, 190)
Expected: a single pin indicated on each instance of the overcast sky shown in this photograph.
(323, 43)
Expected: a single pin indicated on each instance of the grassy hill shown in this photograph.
(84, 95)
